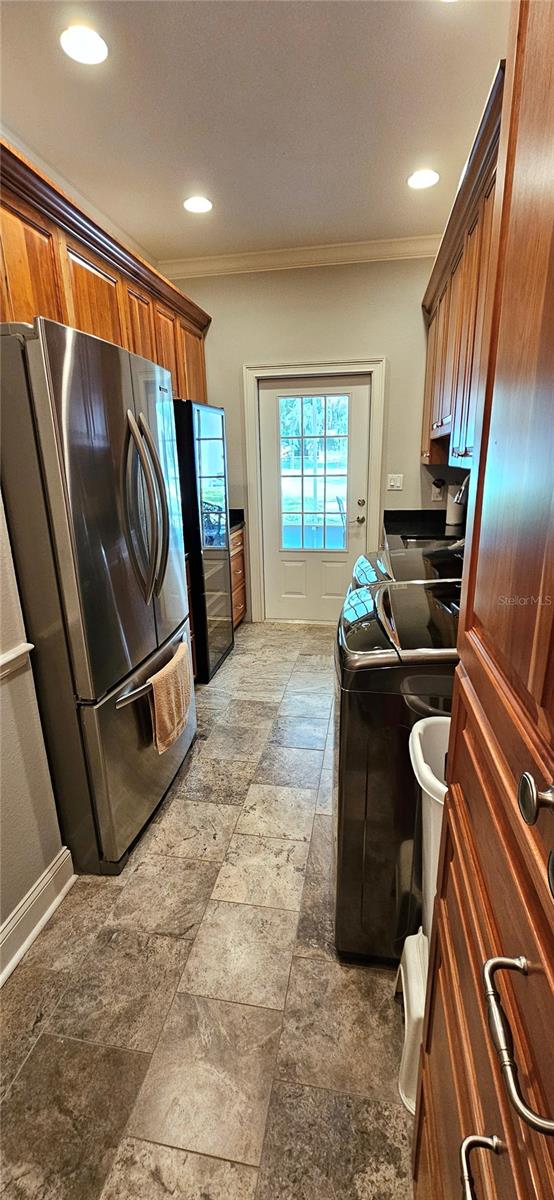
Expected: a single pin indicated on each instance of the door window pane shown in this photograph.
(336, 415)
(313, 448)
(313, 533)
(291, 531)
(290, 416)
(291, 493)
(313, 415)
(314, 456)
(337, 455)
(314, 493)
(291, 456)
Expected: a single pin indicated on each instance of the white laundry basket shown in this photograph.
(428, 747)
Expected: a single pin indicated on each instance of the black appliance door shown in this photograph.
(156, 423)
(211, 480)
(83, 405)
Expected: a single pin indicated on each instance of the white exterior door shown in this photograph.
(314, 446)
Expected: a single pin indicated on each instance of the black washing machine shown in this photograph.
(395, 659)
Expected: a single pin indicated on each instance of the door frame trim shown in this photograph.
(252, 374)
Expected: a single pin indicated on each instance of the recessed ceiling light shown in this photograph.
(83, 44)
(197, 204)
(423, 179)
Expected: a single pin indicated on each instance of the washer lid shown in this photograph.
(420, 618)
(360, 630)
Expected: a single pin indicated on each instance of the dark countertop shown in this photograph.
(415, 522)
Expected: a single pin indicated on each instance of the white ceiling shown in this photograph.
(301, 120)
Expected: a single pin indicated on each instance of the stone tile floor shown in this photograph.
(185, 1029)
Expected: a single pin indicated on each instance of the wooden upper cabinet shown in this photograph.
(475, 365)
(454, 303)
(440, 360)
(191, 367)
(140, 322)
(429, 389)
(33, 285)
(452, 344)
(95, 294)
(166, 327)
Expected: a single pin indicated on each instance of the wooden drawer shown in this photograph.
(512, 922)
(237, 540)
(239, 604)
(509, 1175)
(237, 571)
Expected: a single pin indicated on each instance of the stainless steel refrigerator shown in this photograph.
(203, 466)
(91, 487)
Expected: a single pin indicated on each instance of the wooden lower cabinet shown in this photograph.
(238, 576)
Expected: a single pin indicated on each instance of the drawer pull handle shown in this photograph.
(503, 1042)
(530, 800)
(475, 1141)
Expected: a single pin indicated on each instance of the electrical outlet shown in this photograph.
(437, 492)
(395, 483)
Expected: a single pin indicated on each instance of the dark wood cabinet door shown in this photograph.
(429, 389)
(95, 294)
(503, 718)
(191, 366)
(166, 326)
(140, 323)
(452, 346)
(440, 360)
(32, 275)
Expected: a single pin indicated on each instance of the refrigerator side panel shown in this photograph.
(154, 405)
(82, 392)
(37, 581)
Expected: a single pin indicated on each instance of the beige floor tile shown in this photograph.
(279, 812)
(242, 953)
(145, 1171)
(192, 829)
(263, 871)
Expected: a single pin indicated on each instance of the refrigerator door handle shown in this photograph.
(149, 439)
(134, 434)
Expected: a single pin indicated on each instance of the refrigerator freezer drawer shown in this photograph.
(128, 776)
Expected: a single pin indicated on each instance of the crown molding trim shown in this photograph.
(382, 250)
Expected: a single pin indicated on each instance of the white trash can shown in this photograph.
(428, 747)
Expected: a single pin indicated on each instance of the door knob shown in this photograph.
(360, 520)
(530, 800)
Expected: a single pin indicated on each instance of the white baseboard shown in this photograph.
(26, 921)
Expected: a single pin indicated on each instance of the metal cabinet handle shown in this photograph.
(149, 439)
(503, 1041)
(530, 800)
(133, 433)
(475, 1141)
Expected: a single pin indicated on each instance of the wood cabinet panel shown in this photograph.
(140, 323)
(429, 389)
(440, 360)
(191, 366)
(33, 285)
(495, 898)
(474, 365)
(453, 338)
(95, 294)
(166, 325)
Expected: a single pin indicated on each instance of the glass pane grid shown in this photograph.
(313, 446)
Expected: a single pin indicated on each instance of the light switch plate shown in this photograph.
(395, 483)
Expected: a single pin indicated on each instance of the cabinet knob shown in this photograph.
(530, 800)
(475, 1141)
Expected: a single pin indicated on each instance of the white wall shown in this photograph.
(361, 310)
(29, 831)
